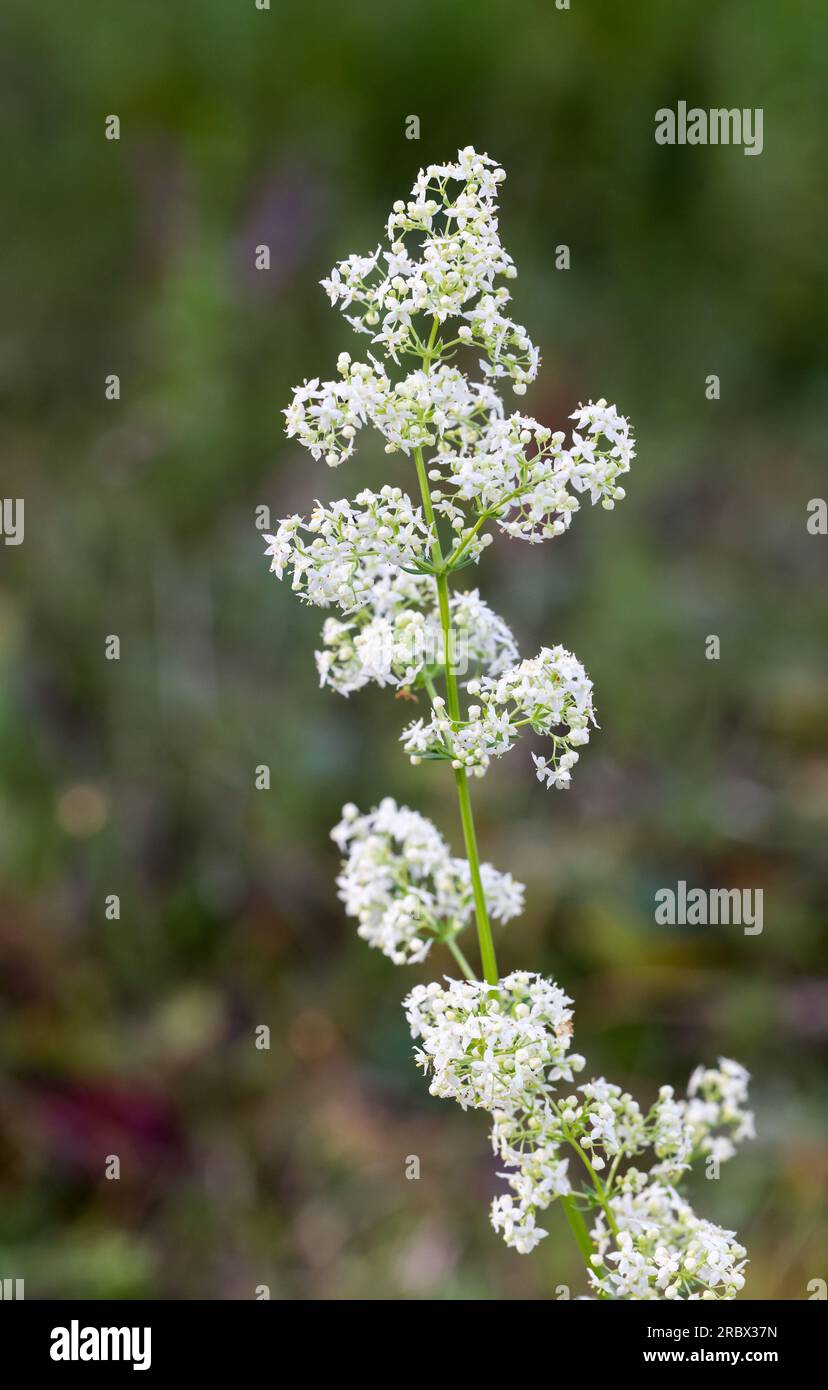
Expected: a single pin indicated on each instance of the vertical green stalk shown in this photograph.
(484, 930)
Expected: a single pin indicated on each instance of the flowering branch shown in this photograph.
(500, 1044)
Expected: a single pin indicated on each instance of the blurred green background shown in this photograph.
(135, 1037)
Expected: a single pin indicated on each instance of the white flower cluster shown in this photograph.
(546, 693)
(335, 561)
(325, 416)
(376, 559)
(383, 563)
(444, 254)
(520, 473)
(709, 1123)
(441, 407)
(501, 1050)
(401, 883)
(542, 1175)
(662, 1248)
(717, 1117)
(491, 1048)
(396, 636)
(658, 1232)
(528, 1139)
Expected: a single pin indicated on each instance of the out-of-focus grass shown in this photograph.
(135, 1036)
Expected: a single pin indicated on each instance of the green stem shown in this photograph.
(460, 958)
(579, 1229)
(469, 536)
(612, 1172)
(596, 1183)
(484, 930)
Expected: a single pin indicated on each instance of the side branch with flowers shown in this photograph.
(385, 565)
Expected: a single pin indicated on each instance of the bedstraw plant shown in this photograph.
(432, 302)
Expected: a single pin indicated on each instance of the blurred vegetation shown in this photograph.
(135, 1037)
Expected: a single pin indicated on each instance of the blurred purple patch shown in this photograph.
(86, 1121)
(287, 209)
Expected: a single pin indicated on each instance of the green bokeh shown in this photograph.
(135, 1037)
